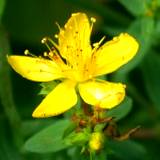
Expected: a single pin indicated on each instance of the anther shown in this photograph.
(95, 44)
(44, 40)
(93, 20)
(45, 54)
(65, 26)
(26, 52)
(73, 14)
(51, 54)
(56, 36)
(115, 39)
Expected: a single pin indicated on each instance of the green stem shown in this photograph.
(6, 91)
(91, 156)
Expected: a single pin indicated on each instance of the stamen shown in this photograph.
(58, 26)
(93, 20)
(48, 39)
(53, 51)
(74, 14)
(51, 54)
(56, 35)
(96, 45)
(45, 54)
(44, 41)
(52, 42)
(28, 53)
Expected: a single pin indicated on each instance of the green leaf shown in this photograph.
(2, 5)
(49, 139)
(136, 7)
(121, 110)
(78, 138)
(101, 156)
(69, 129)
(127, 150)
(157, 32)
(99, 127)
(144, 38)
(158, 2)
(151, 74)
(47, 87)
(29, 127)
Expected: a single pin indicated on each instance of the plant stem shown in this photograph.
(6, 91)
(91, 155)
(85, 107)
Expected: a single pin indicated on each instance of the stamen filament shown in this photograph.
(44, 41)
(27, 52)
(53, 43)
(93, 20)
(96, 45)
(58, 25)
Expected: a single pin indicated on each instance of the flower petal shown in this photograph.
(61, 99)
(35, 69)
(74, 39)
(101, 93)
(115, 53)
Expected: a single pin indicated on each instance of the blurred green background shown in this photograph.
(22, 26)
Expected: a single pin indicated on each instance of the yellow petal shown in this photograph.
(35, 69)
(115, 53)
(74, 39)
(101, 93)
(61, 99)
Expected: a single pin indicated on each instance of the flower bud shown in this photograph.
(96, 141)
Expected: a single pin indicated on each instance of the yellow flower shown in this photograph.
(96, 141)
(76, 63)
